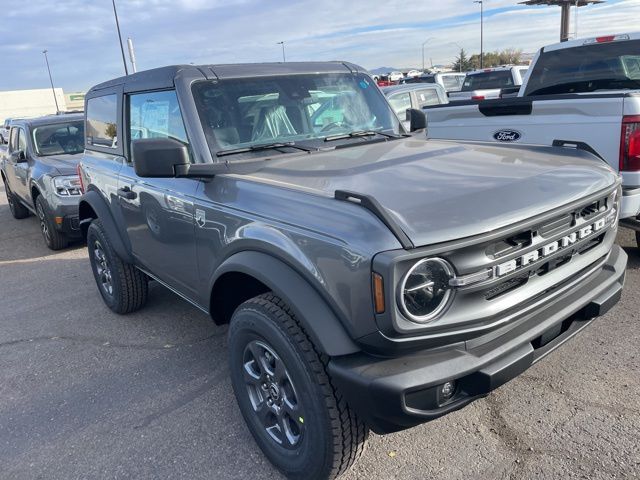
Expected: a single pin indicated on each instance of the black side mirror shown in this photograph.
(158, 157)
(18, 156)
(417, 119)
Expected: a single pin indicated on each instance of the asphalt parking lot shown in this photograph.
(85, 393)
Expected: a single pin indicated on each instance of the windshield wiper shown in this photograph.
(264, 146)
(358, 133)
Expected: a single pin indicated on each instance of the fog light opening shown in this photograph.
(446, 392)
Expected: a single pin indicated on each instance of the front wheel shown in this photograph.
(298, 419)
(54, 239)
(123, 287)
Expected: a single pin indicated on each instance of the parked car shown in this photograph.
(450, 81)
(489, 82)
(39, 174)
(414, 73)
(4, 131)
(372, 279)
(413, 96)
(582, 93)
(396, 76)
(383, 81)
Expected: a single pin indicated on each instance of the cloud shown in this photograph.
(83, 50)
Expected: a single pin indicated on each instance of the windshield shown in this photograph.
(604, 66)
(301, 110)
(59, 138)
(488, 80)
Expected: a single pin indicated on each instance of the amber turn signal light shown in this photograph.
(378, 292)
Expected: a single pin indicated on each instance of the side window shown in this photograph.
(400, 103)
(13, 140)
(156, 115)
(22, 140)
(427, 97)
(451, 82)
(102, 121)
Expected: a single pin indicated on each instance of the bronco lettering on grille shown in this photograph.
(549, 249)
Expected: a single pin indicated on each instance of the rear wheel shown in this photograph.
(54, 239)
(299, 420)
(123, 287)
(18, 210)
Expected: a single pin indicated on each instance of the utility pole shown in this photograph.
(423, 44)
(284, 58)
(124, 61)
(55, 99)
(132, 55)
(481, 2)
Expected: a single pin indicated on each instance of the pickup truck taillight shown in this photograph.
(477, 97)
(630, 144)
(80, 177)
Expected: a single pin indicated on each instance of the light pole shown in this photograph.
(423, 44)
(46, 59)
(124, 61)
(481, 2)
(284, 58)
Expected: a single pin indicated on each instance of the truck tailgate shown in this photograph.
(595, 121)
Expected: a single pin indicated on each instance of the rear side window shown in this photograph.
(156, 115)
(488, 80)
(590, 68)
(102, 121)
(427, 97)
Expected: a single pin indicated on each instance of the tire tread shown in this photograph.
(349, 433)
(133, 284)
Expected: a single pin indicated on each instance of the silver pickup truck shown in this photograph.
(489, 82)
(583, 93)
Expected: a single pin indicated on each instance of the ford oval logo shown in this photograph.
(507, 136)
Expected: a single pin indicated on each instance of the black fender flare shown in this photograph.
(311, 310)
(102, 211)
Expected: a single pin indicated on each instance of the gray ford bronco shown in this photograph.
(372, 279)
(40, 177)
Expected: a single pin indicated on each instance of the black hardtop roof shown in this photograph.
(48, 119)
(163, 77)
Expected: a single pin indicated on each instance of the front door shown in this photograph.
(17, 171)
(159, 212)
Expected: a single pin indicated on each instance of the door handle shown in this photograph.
(127, 193)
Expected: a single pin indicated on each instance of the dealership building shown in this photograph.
(36, 103)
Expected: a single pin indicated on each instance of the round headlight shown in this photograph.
(425, 290)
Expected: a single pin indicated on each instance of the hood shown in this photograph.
(64, 164)
(439, 191)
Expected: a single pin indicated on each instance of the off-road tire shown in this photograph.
(53, 238)
(18, 210)
(128, 287)
(334, 438)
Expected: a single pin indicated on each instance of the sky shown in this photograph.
(82, 42)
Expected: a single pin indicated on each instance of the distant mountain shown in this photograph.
(383, 70)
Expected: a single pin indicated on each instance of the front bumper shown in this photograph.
(66, 217)
(392, 394)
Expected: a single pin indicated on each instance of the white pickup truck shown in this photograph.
(581, 94)
(489, 82)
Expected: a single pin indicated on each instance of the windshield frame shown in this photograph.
(385, 122)
(57, 125)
